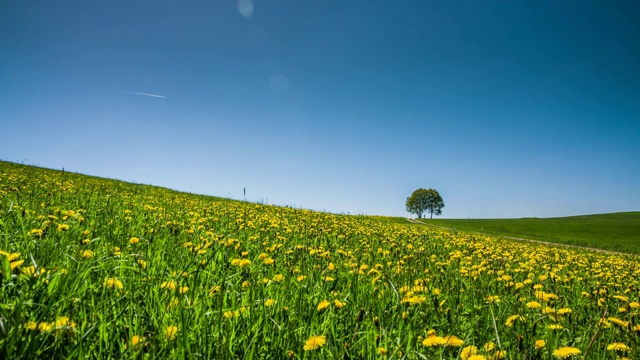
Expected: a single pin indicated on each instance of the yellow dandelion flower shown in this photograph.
(112, 283)
(183, 289)
(45, 326)
(268, 261)
(566, 352)
(617, 347)
(16, 264)
(136, 339)
(142, 263)
(477, 357)
(244, 263)
(134, 240)
(31, 325)
(269, 302)
(555, 327)
(170, 332)
(533, 305)
(511, 319)
(338, 304)
(539, 344)
(453, 341)
(170, 285)
(468, 351)
(488, 347)
(619, 322)
(314, 342)
(278, 278)
(434, 340)
(301, 278)
(323, 305)
(87, 254)
(500, 354)
(493, 299)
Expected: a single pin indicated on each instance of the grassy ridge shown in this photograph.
(615, 231)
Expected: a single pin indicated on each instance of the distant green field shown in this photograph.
(616, 231)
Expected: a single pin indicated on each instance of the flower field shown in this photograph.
(97, 268)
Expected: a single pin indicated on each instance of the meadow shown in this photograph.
(616, 231)
(98, 268)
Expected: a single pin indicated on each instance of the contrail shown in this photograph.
(145, 94)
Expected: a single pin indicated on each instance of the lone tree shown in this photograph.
(422, 200)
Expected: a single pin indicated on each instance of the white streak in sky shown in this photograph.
(145, 94)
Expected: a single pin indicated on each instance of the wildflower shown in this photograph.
(453, 341)
(338, 304)
(555, 327)
(170, 285)
(15, 264)
(142, 263)
(533, 305)
(488, 347)
(87, 254)
(622, 323)
(112, 283)
(63, 227)
(500, 354)
(301, 278)
(493, 299)
(314, 342)
(135, 340)
(477, 357)
(64, 321)
(539, 344)
(468, 351)
(323, 305)
(31, 325)
(278, 278)
(244, 263)
(269, 302)
(183, 289)
(134, 240)
(433, 340)
(170, 332)
(268, 261)
(566, 352)
(382, 351)
(45, 326)
(511, 319)
(617, 347)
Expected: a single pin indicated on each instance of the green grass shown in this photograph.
(616, 231)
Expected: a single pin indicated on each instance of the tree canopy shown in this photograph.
(425, 200)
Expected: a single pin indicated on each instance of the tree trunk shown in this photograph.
(431, 215)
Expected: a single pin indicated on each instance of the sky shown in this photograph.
(507, 108)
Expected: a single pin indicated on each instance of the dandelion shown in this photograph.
(323, 305)
(555, 327)
(566, 352)
(63, 227)
(619, 322)
(533, 305)
(183, 289)
(170, 285)
(45, 326)
(136, 339)
(87, 254)
(493, 299)
(314, 342)
(434, 340)
(134, 240)
(112, 283)
(244, 263)
(268, 261)
(338, 304)
(488, 347)
(170, 332)
(278, 278)
(618, 347)
(269, 302)
(468, 351)
(31, 325)
(539, 344)
(477, 357)
(453, 341)
(301, 278)
(511, 319)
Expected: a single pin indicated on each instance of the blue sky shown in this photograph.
(509, 109)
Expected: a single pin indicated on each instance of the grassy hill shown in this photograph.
(615, 231)
(103, 269)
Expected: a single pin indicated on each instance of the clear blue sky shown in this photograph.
(508, 108)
